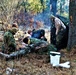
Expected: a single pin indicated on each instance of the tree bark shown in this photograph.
(72, 24)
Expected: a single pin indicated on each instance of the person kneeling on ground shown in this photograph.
(9, 44)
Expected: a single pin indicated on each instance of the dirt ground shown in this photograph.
(36, 64)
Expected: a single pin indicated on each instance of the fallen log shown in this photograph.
(8, 56)
(4, 55)
(13, 54)
(41, 47)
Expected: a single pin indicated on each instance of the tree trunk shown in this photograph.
(72, 25)
(53, 3)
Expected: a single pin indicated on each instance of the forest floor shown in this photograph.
(36, 64)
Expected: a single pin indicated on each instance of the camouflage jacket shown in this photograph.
(44, 45)
(36, 41)
(9, 44)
